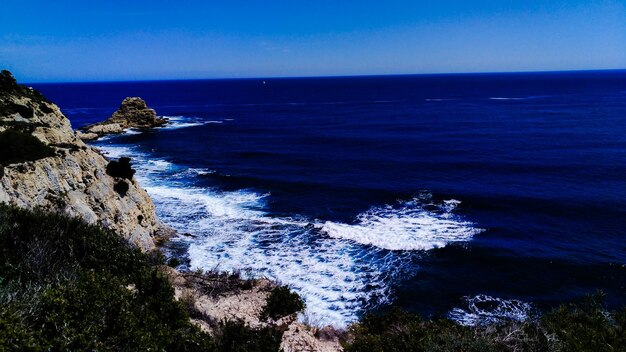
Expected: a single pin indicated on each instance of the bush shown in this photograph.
(12, 108)
(9, 87)
(121, 168)
(236, 336)
(39, 247)
(586, 326)
(67, 285)
(121, 187)
(282, 302)
(401, 331)
(19, 147)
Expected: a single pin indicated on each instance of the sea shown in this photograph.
(479, 197)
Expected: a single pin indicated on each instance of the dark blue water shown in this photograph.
(409, 190)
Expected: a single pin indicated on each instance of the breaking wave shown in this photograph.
(340, 269)
(406, 226)
(177, 122)
(484, 309)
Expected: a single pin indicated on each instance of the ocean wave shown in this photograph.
(178, 122)
(483, 309)
(115, 151)
(235, 233)
(502, 98)
(131, 132)
(405, 226)
(520, 98)
(340, 270)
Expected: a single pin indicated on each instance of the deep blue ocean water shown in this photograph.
(361, 192)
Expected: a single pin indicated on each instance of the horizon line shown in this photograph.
(329, 76)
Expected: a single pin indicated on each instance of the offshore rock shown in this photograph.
(132, 113)
(73, 181)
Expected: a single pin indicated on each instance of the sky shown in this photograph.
(56, 41)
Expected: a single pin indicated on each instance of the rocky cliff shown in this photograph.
(73, 179)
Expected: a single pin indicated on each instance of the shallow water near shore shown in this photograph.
(478, 196)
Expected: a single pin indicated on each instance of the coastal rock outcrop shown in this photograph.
(73, 177)
(215, 297)
(132, 113)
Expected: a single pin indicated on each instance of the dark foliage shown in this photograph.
(19, 147)
(67, 285)
(13, 108)
(121, 168)
(282, 302)
(401, 331)
(173, 262)
(236, 336)
(39, 247)
(586, 326)
(9, 87)
(121, 187)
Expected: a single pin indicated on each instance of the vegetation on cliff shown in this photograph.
(584, 326)
(19, 147)
(66, 285)
(282, 302)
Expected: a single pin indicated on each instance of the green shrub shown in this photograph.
(236, 336)
(39, 247)
(282, 302)
(402, 331)
(173, 262)
(120, 168)
(576, 327)
(121, 187)
(11, 108)
(18, 147)
(587, 326)
(9, 87)
(67, 285)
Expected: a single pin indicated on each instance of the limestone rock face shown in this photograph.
(74, 181)
(132, 113)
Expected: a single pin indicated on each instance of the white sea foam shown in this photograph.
(484, 309)
(339, 269)
(520, 98)
(438, 99)
(337, 277)
(405, 227)
(236, 234)
(177, 122)
(200, 171)
(131, 132)
(114, 151)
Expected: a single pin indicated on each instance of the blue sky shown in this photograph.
(122, 40)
